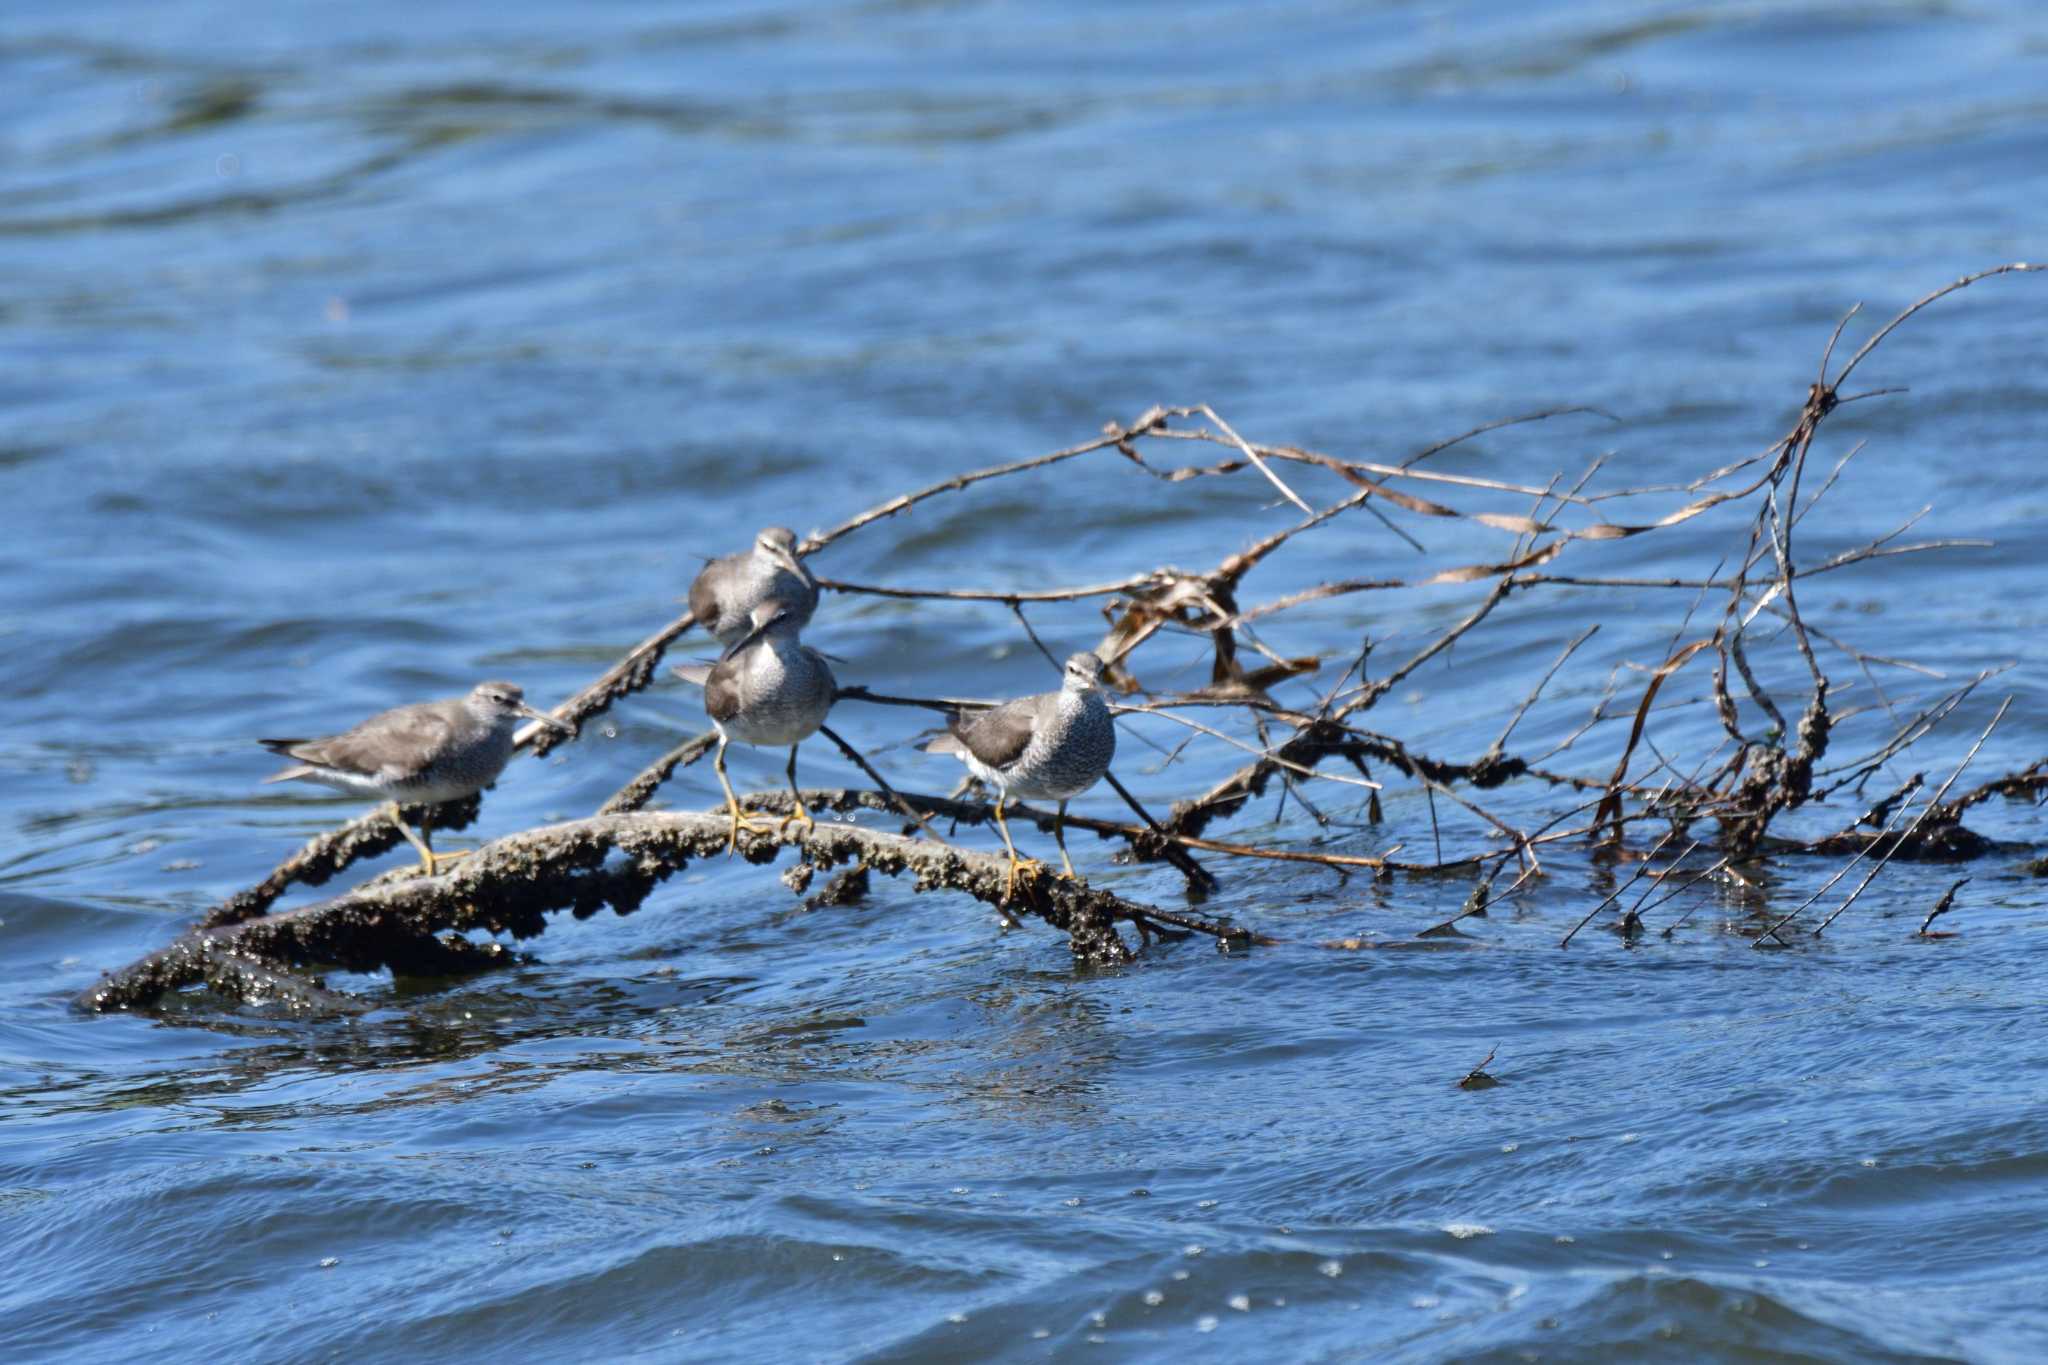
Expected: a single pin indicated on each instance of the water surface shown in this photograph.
(351, 354)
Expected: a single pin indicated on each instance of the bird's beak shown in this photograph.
(756, 633)
(788, 560)
(545, 719)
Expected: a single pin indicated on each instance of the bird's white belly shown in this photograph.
(990, 776)
(427, 793)
(1016, 787)
(771, 732)
(355, 784)
(378, 789)
(1044, 790)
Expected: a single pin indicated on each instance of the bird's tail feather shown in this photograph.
(699, 674)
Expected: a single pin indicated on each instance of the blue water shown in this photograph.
(350, 354)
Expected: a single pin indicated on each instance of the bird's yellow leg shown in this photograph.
(1059, 836)
(1030, 867)
(732, 805)
(802, 816)
(429, 860)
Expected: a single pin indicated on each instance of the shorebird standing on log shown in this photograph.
(1051, 746)
(768, 689)
(418, 755)
(729, 589)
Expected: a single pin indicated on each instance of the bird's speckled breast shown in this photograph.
(459, 771)
(786, 689)
(1071, 754)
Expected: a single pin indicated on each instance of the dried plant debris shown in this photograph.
(1942, 907)
(1742, 645)
(1479, 1078)
(846, 887)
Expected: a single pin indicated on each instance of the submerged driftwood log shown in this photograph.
(411, 924)
(1782, 747)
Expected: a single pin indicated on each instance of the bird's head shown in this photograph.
(503, 703)
(777, 545)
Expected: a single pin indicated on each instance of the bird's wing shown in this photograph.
(824, 663)
(287, 748)
(1000, 735)
(722, 693)
(392, 744)
(707, 588)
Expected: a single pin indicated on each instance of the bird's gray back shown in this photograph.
(430, 749)
(725, 594)
(999, 735)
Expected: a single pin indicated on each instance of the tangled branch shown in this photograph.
(1769, 757)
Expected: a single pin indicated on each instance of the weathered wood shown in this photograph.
(511, 885)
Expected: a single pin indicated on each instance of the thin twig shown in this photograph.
(1942, 906)
(1933, 805)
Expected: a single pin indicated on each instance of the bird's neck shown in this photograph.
(777, 649)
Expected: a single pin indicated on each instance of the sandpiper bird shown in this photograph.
(770, 689)
(419, 754)
(1052, 746)
(728, 589)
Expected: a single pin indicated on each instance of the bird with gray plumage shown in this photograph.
(1052, 746)
(768, 689)
(418, 755)
(728, 589)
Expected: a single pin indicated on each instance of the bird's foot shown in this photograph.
(1026, 868)
(430, 863)
(801, 817)
(741, 820)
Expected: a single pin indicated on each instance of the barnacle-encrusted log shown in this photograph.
(510, 886)
(366, 836)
